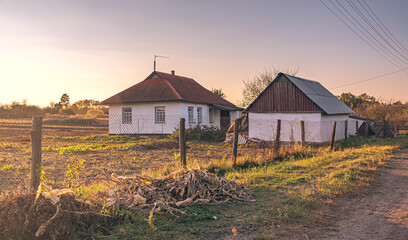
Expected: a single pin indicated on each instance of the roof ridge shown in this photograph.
(160, 86)
(303, 91)
(303, 79)
(171, 86)
(321, 95)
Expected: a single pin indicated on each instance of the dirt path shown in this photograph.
(382, 213)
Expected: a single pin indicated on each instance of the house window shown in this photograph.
(160, 114)
(211, 115)
(127, 115)
(190, 114)
(199, 114)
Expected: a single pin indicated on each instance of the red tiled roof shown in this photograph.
(159, 87)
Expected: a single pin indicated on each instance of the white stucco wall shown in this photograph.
(143, 118)
(263, 126)
(327, 126)
(318, 127)
(205, 115)
(234, 116)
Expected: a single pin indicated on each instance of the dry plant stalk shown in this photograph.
(180, 188)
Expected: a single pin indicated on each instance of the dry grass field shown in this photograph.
(294, 190)
(98, 153)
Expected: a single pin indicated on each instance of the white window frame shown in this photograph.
(190, 113)
(126, 115)
(160, 114)
(211, 115)
(199, 114)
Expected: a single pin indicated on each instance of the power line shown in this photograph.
(369, 79)
(370, 38)
(361, 14)
(375, 49)
(366, 31)
(376, 20)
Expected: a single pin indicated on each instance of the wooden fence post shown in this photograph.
(182, 142)
(333, 135)
(366, 129)
(277, 139)
(235, 141)
(302, 133)
(385, 129)
(36, 135)
(346, 130)
(357, 133)
(397, 130)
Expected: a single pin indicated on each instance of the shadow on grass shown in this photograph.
(274, 211)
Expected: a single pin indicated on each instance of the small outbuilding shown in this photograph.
(155, 105)
(292, 100)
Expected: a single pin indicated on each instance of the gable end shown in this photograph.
(283, 96)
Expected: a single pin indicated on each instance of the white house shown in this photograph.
(155, 105)
(292, 100)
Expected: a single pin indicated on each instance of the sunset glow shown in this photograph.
(94, 49)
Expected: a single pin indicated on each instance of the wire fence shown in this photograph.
(59, 122)
(145, 124)
(153, 124)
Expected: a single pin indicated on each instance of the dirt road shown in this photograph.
(382, 213)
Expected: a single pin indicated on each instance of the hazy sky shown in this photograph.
(94, 49)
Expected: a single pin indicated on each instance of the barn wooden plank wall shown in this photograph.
(283, 96)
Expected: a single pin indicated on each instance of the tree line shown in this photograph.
(64, 107)
(364, 105)
(395, 112)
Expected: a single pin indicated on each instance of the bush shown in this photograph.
(204, 133)
(66, 111)
(95, 112)
(19, 110)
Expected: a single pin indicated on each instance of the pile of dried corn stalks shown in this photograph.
(180, 188)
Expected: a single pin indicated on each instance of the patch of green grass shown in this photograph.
(96, 143)
(401, 142)
(269, 209)
(4, 168)
(288, 193)
(14, 146)
(325, 174)
(264, 157)
(104, 138)
(289, 187)
(87, 147)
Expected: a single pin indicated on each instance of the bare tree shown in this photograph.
(255, 86)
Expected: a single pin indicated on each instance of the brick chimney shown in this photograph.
(173, 72)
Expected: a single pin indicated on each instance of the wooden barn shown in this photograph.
(292, 100)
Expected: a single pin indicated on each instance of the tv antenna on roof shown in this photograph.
(156, 56)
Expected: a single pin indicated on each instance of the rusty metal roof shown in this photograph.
(160, 87)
